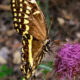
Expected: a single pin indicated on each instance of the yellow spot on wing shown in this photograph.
(14, 9)
(15, 14)
(19, 14)
(21, 9)
(28, 7)
(15, 25)
(13, 5)
(19, 20)
(26, 21)
(21, 67)
(22, 59)
(33, 1)
(27, 27)
(20, 26)
(20, 0)
(21, 5)
(18, 30)
(30, 51)
(13, 1)
(24, 42)
(22, 50)
(28, 75)
(26, 30)
(27, 11)
(25, 2)
(26, 16)
(37, 12)
(15, 19)
(24, 70)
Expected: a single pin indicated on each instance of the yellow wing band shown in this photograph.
(30, 51)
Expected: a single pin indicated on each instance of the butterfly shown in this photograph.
(30, 23)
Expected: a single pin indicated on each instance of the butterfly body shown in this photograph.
(29, 22)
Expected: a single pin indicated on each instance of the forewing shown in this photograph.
(29, 19)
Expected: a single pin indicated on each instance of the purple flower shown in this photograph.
(67, 64)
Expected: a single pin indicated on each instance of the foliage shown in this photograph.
(46, 67)
(4, 71)
(38, 2)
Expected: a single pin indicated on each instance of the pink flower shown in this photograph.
(67, 64)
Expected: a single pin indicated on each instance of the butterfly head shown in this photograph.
(46, 47)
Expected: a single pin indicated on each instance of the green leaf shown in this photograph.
(2, 74)
(38, 2)
(22, 78)
(46, 67)
(4, 71)
(9, 71)
(3, 67)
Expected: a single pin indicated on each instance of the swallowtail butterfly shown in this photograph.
(29, 22)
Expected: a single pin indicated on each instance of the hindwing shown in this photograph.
(30, 63)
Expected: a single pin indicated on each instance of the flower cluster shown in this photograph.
(67, 64)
